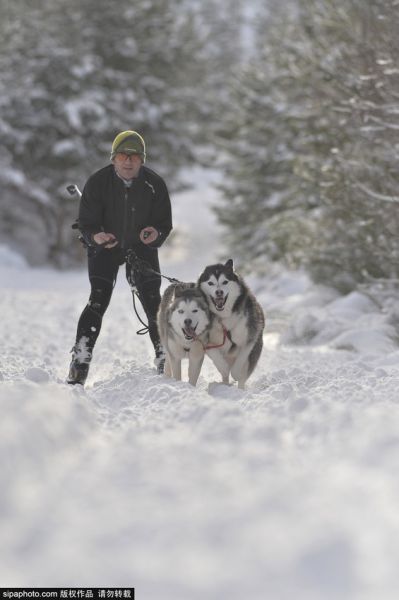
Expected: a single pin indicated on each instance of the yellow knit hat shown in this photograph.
(129, 142)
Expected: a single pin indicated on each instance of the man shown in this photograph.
(124, 207)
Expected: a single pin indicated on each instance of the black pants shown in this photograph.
(103, 270)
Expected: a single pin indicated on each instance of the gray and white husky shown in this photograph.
(184, 321)
(237, 332)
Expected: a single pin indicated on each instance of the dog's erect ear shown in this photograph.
(229, 264)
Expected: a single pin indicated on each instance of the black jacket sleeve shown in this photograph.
(161, 214)
(91, 209)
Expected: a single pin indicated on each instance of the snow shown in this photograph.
(286, 490)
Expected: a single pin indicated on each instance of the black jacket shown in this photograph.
(108, 205)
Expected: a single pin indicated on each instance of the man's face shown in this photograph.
(127, 165)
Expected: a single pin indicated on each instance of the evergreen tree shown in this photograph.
(76, 73)
(311, 143)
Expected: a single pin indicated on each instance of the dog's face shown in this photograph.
(189, 316)
(221, 285)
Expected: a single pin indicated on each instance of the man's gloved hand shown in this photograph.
(148, 235)
(106, 240)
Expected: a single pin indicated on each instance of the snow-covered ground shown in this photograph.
(287, 491)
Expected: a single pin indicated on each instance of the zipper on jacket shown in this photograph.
(125, 224)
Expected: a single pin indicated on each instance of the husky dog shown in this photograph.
(184, 321)
(236, 337)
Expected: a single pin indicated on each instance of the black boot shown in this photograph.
(79, 367)
(78, 372)
(159, 360)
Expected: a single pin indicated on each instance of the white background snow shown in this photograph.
(286, 491)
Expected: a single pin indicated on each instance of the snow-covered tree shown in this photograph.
(73, 74)
(312, 142)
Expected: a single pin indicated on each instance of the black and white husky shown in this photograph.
(236, 338)
(184, 322)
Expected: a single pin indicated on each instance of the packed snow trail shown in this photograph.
(286, 490)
